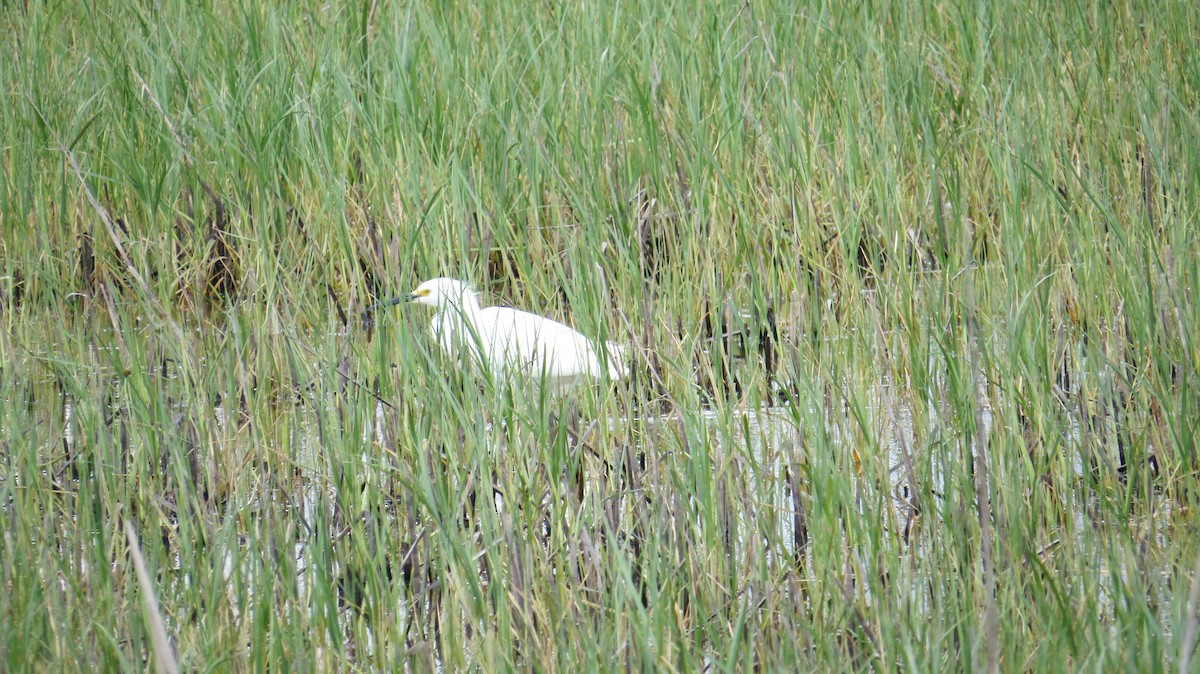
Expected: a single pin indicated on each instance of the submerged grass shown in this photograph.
(908, 289)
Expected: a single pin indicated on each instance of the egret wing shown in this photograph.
(534, 345)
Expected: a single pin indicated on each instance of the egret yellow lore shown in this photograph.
(510, 341)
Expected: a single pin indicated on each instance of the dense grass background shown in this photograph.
(950, 246)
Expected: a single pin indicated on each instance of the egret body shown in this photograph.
(509, 341)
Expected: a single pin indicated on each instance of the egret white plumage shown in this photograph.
(510, 341)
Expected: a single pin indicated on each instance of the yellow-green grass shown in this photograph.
(910, 291)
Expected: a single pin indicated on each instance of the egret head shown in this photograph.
(442, 292)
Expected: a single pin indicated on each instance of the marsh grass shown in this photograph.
(908, 290)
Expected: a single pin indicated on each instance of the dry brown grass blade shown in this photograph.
(1193, 621)
(164, 655)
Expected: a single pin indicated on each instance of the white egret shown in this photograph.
(509, 341)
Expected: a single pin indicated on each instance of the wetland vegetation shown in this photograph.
(907, 292)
